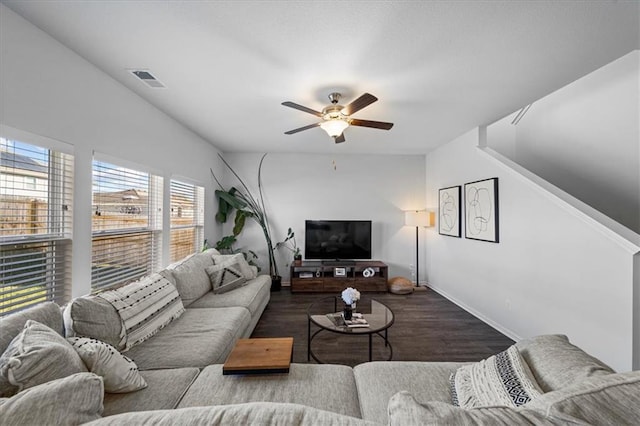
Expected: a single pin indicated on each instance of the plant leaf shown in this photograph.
(239, 221)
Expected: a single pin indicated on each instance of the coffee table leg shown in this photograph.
(370, 353)
(386, 338)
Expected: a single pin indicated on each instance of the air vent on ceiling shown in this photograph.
(147, 78)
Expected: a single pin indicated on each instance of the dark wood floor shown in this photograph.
(427, 327)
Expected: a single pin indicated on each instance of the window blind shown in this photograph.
(187, 219)
(126, 224)
(36, 189)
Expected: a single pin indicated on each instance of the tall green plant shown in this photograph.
(246, 206)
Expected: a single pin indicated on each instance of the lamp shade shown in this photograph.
(417, 218)
(334, 127)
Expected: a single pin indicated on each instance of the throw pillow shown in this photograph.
(502, 379)
(191, 280)
(47, 313)
(404, 410)
(73, 400)
(38, 355)
(598, 400)
(225, 278)
(93, 316)
(145, 307)
(120, 374)
(238, 260)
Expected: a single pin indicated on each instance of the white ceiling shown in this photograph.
(439, 68)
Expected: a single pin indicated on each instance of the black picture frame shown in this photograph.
(482, 210)
(450, 211)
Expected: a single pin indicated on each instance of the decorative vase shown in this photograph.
(347, 312)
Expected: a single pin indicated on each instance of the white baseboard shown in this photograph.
(504, 330)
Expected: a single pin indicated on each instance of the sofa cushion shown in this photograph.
(253, 296)
(502, 379)
(378, 381)
(200, 337)
(556, 363)
(47, 313)
(326, 387)
(256, 413)
(119, 373)
(145, 307)
(599, 400)
(191, 279)
(164, 390)
(235, 259)
(38, 355)
(225, 278)
(72, 400)
(404, 410)
(92, 316)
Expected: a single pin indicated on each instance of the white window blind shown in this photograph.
(126, 224)
(187, 219)
(36, 188)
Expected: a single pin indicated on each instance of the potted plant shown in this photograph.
(247, 206)
(290, 244)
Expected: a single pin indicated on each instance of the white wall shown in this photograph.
(369, 187)
(46, 89)
(555, 269)
(585, 139)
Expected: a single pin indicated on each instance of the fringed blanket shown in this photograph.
(145, 307)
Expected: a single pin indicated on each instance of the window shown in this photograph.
(36, 188)
(126, 224)
(187, 219)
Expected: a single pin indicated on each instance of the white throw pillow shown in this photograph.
(38, 355)
(237, 259)
(500, 380)
(119, 372)
(225, 278)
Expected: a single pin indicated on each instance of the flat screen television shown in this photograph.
(337, 239)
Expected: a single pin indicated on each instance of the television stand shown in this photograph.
(320, 277)
(339, 262)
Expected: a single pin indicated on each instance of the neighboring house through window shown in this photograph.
(36, 189)
(187, 219)
(126, 224)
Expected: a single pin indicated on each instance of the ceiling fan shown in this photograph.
(336, 118)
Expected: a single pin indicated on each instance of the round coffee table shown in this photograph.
(326, 314)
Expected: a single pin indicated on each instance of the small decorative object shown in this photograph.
(400, 285)
(481, 210)
(449, 207)
(350, 296)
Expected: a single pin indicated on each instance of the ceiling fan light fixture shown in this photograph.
(334, 127)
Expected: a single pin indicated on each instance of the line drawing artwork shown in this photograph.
(478, 210)
(481, 210)
(449, 211)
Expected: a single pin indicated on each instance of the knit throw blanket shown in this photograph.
(145, 307)
(503, 379)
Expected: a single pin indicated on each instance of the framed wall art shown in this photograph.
(449, 211)
(481, 210)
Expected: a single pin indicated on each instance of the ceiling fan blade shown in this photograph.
(369, 123)
(363, 101)
(302, 108)
(340, 139)
(299, 129)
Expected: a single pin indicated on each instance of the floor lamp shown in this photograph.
(418, 218)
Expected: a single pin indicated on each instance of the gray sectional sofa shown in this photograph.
(181, 365)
